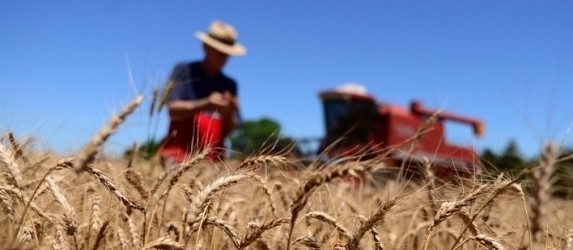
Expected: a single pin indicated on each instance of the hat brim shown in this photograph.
(232, 50)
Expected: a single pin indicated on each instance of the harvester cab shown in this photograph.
(357, 124)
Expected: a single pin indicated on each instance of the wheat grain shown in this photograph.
(321, 216)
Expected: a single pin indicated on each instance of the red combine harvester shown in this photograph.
(357, 124)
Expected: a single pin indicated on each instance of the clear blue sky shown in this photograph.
(65, 65)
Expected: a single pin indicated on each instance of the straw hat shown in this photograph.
(222, 37)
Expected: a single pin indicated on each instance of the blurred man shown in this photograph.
(202, 101)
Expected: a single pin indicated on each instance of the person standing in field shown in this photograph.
(202, 100)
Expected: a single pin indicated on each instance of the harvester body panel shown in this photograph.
(357, 124)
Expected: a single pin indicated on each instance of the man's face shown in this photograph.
(215, 59)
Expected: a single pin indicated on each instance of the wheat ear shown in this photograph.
(11, 165)
(19, 153)
(488, 242)
(164, 98)
(448, 208)
(316, 180)
(164, 243)
(569, 240)
(258, 230)
(69, 220)
(308, 241)
(225, 227)
(66, 163)
(89, 152)
(430, 179)
(267, 192)
(329, 220)
(95, 219)
(7, 207)
(498, 188)
(132, 177)
(100, 235)
(183, 168)
(205, 196)
(374, 220)
(263, 159)
(541, 196)
(106, 182)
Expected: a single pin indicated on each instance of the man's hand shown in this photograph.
(218, 101)
(233, 103)
(225, 103)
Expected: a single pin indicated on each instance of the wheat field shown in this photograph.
(90, 201)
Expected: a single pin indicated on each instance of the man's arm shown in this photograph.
(181, 109)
